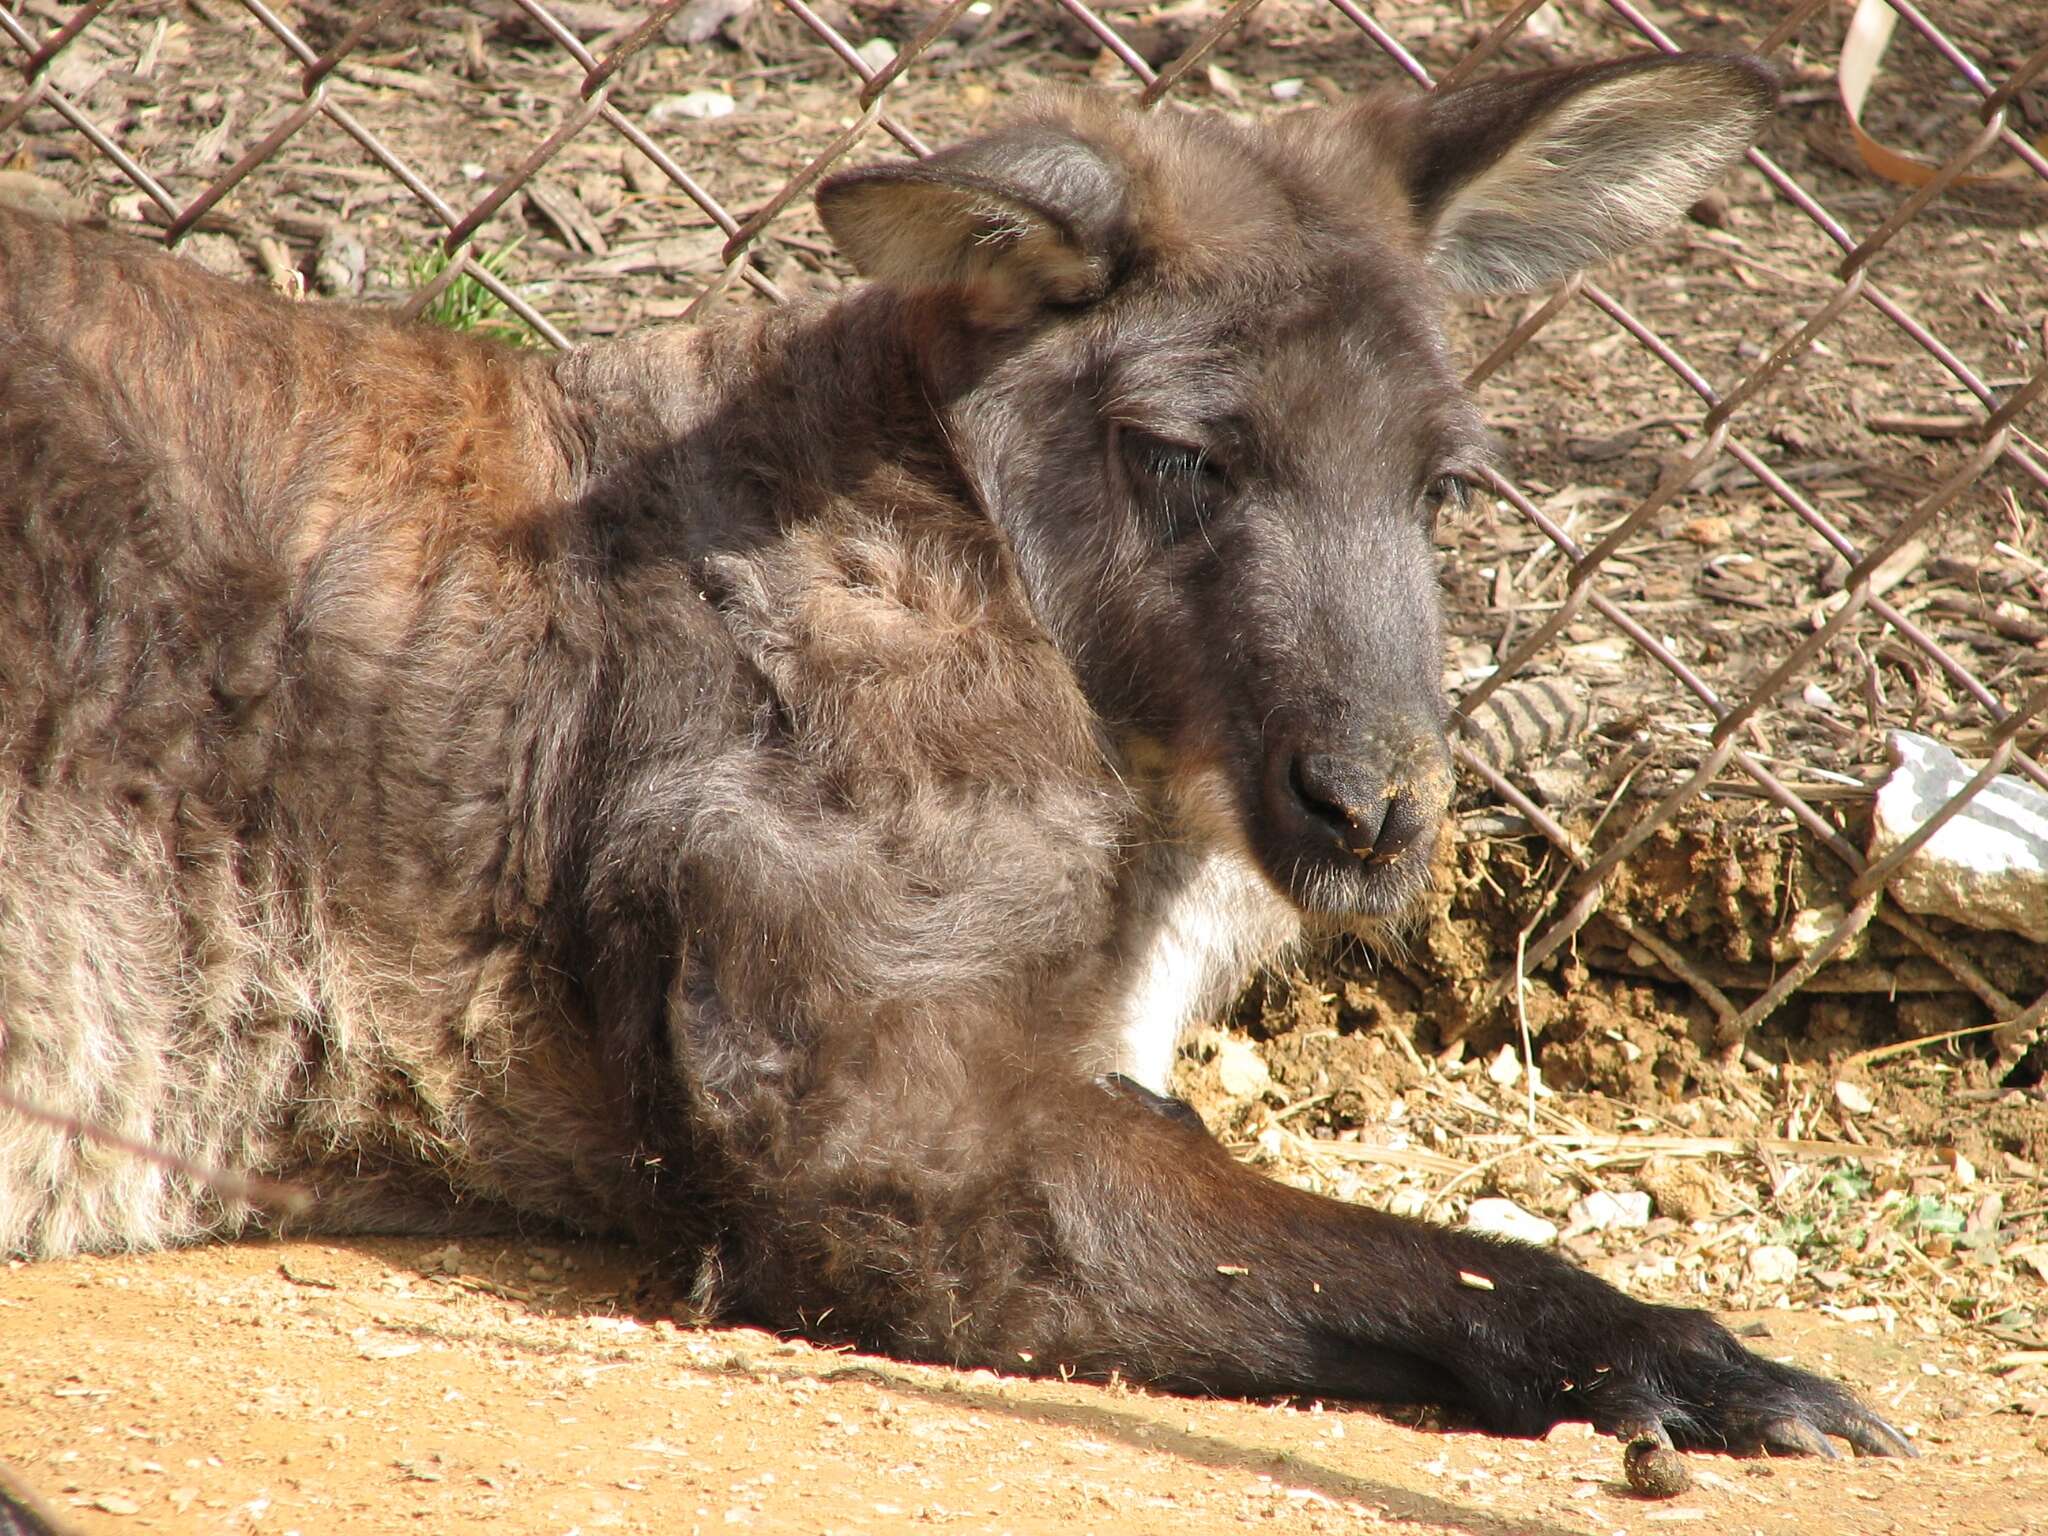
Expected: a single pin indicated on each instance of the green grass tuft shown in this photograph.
(466, 304)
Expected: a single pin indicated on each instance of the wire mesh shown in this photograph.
(1822, 284)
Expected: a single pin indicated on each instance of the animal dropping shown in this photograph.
(1654, 1470)
(782, 790)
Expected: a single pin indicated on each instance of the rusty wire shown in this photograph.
(1728, 408)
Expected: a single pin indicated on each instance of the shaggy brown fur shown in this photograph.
(779, 790)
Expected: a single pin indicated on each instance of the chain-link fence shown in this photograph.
(1776, 493)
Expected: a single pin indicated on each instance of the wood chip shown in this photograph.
(561, 207)
(1924, 426)
(671, 253)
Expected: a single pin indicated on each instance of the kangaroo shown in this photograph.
(780, 790)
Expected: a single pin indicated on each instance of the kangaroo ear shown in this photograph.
(1527, 179)
(1025, 217)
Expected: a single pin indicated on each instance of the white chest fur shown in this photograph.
(1196, 923)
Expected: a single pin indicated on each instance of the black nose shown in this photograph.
(1358, 805)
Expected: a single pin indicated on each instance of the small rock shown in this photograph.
(1987, 866)
(217, 254)
(1680, 1188)
(878, 53)
(1287, 90)
(1506, 1068)
(1772, 1264)
(1240, 1070)
(1602, 1211)
(691, 104)
(339, 262)
(1504, 1218)
(116, 1504)
(444, 1261)
(1808, 927)
(701, 20)
(1854, 1099)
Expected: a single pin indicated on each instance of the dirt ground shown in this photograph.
(403, 1387)
(1882, 1210)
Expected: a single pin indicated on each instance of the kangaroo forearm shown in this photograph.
(1121, 1242)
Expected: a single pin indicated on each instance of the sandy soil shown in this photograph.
(398, 1386)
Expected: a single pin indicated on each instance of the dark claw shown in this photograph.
(1873, 1437)
(1798, 1438)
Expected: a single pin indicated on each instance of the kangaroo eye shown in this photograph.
(1165, 460)
(1181, 484)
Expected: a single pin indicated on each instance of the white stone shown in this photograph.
(1504, 1218)
(697, 104)
(1602, 1211)
(1772, 1264)
(1809, 926)
(1506, 1068)
(1988, 865)
(1240, 1070)
(1854, 1099)
(1409, 1202)
(877, 53)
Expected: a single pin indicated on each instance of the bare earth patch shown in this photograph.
(395, 1386)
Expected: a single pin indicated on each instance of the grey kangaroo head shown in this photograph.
(1196, 373)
